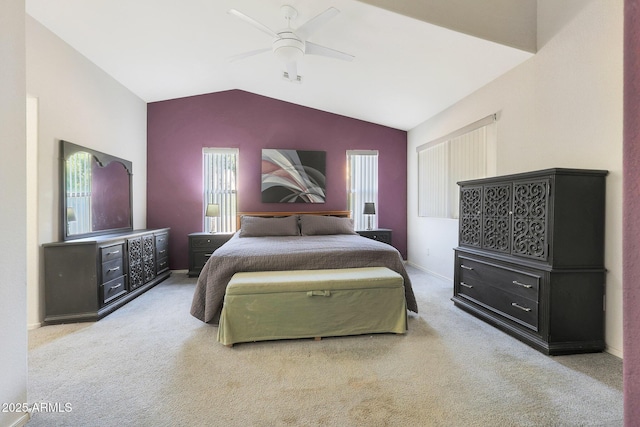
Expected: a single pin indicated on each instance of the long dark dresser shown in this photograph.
(86, 279)
(530, 259)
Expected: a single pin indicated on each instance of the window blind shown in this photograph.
(220, 166)
(459, 156)
(362, 171)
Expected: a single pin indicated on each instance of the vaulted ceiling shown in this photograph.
(411, 59)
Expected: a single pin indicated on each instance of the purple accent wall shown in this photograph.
(178, 130)
(631, 206)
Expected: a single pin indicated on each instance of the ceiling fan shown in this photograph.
(290, 45)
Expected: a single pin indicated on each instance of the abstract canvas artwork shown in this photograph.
(293, 176)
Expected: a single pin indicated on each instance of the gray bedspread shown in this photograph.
(289, 253)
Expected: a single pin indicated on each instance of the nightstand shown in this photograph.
(201, 246)
(380, 234)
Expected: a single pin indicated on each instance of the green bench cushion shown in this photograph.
(262, 282)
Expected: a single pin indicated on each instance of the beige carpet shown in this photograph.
(152, 364)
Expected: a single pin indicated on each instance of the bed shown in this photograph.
(290, 241)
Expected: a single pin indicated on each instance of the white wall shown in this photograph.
(562, 108)
(13, 288)
(80, 103)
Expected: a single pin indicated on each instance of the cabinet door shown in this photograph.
(148, 257)
(496, 217)
(530, 215)
(470, 216)
(134, 249)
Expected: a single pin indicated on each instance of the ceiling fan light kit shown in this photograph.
(290, 45)
(288, 48)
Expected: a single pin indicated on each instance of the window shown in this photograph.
(362, 185)
(220, 166)
(464, 154)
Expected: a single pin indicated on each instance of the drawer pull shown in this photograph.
(111, 270)
(465, 285)
(113, 253)
(113, 288)
(516, 305)
(515, 282)
(162, 251)
(465, 267)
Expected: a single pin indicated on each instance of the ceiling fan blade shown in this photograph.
(253, 22)
(310, 27)
(248, 54)
(316, 49)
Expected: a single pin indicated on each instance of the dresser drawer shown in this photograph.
(163, 265)
(112, 269)
(108, 253)
(515, 307)
(517, 282)
(201, 258)
(113, 289)
(161, 253)
(204, 243)
(381, 235)
(162, 244)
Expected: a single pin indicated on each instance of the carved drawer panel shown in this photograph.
(496, 226)
(470, 216)
(530, 219)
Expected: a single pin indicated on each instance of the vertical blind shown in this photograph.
(468, 160)
(220, 172)
(442, 163)
(433, 171)
(362, 173)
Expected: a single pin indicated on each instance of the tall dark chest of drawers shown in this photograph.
(530, 259)
(86, 279)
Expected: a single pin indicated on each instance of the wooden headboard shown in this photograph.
(342, 214)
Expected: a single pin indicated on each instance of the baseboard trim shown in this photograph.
(34, 326)
(614, 352)
(439, 276)
(22, 421)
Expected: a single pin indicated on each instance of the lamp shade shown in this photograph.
(71, 214)
(369, 208)
(212, 210)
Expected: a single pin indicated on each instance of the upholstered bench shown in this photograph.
(272, 305)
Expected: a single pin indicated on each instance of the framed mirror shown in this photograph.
(96, 193)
